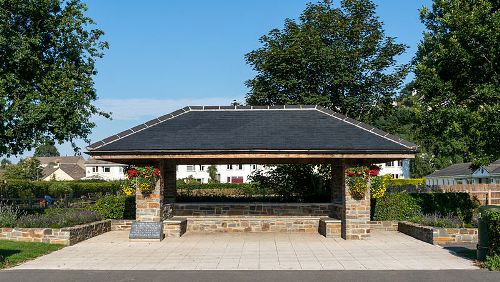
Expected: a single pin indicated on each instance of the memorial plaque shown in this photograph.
(146, 230)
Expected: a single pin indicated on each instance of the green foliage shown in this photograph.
(492, 263)
(457, 77)
(197, 186)
(378, 186)
(26, 169)
(58, 218)
(492, 218)
(48, 50)
(404, 206)
(116, 207)
(46, 150)
(405, 181)
(395, 207)
(5, 162)
(60, 189)
(338, 58)
(15, 188)
(212, 173)
(9, 215)
(297, 183)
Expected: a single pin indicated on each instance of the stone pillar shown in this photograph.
(149, 206)
(355, 216)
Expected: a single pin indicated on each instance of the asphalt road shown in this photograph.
(242, 276)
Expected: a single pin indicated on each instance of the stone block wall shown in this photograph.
(121, 224)
(174, 227)
(439, 236)
(330, 228)
(255, 209)
(64, 236)
(356, 216)
(253, 224)
(389, 225)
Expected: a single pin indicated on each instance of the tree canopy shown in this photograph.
(457, 77)
(46, 150)
(48, 50)
(26, 169)
(339, 58)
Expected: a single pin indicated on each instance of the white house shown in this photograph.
(62, 168)
(240, 173)
(97, 169)
(462, 174)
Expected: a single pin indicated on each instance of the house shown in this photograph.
(463, 174)
(98, 169)
(241, 173)
(62, 168)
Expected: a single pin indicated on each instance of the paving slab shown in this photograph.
(384, 250)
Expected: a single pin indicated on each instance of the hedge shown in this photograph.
(116, 207)
(492, 218)
(242, 186)
(405, 181)
(38, 189)
(405, 206)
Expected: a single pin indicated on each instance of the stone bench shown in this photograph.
(227, 224)
(174, 227)
(330, 227)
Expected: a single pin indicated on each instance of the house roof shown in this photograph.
(61, 160)
(252, 129)
(494, 167)
(453, 170)
(73, 170)
(100, 162)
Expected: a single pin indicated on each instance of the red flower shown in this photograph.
(157, 172)
(350, 173)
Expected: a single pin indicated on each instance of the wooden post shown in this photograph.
(489, 197)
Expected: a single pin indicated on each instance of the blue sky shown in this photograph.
(165, 55)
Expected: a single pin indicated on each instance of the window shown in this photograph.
(400, 163)
(396, 176)
(254, 167)
(237, 179)
(202, 168)
(228, 179)
(106, 169)
(95, 169)
(190, 168)
(229, 167)
(240, 166)
(388, 164)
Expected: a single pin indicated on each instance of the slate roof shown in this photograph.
(61, 159)
(494, 167)
(252, 129)
(73, 170)
(453, 170)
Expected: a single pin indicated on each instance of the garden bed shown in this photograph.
(438, 236)
(63, 236)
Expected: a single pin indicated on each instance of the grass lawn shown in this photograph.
(13, 252)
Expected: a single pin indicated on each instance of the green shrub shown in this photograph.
(58, 218)
(492, 218)
(9, 215)
(116, 207)
(38, 189)
(492, 263)
(60, 189)
(395, 207)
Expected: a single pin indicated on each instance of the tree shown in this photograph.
(46, 150)
(212, 173)
(26, 169)
(5, 162)
(457, 74)
(338, 58)
(48, 50)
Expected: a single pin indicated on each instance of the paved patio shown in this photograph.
(384, 250)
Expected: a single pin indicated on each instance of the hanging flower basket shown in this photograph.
(143, 178)
(358, 179)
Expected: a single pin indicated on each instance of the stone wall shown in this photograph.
(389, 225)
(121, 224)
(330, 228)
(174, 227)
(439, 236)
(253, 224)
(356, 216)
(64, 236)
(255, 209)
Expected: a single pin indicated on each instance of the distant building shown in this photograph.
(241, 173)
(462, 174)
(62, 168)
(98, 169)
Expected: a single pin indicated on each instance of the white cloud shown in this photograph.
(138, 109)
